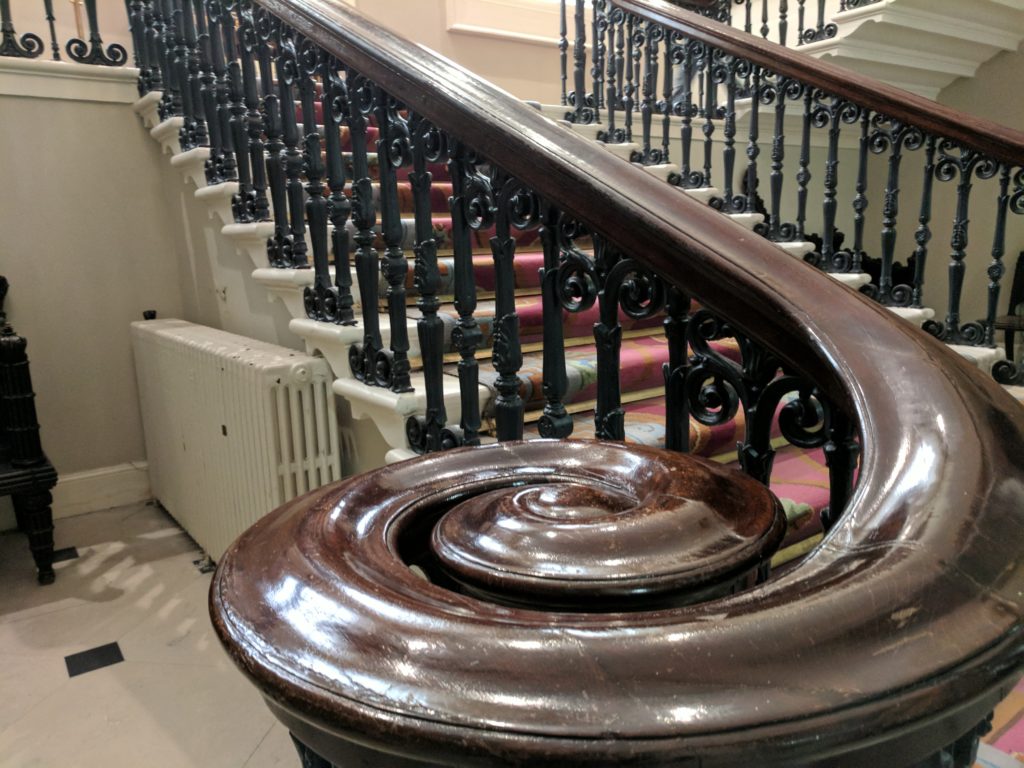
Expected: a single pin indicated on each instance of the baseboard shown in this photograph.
(81, 492)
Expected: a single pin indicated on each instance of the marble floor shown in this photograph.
(147, 683)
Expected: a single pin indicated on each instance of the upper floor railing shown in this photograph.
(30, 45)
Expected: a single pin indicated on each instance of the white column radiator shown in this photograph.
(234, 427)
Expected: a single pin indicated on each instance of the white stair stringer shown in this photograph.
(922, 45)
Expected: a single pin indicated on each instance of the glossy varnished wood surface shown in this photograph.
(905, 620)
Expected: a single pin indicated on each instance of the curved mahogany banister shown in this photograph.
(985, 136)
(907, 617)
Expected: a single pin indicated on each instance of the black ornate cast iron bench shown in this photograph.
(26, 475)
(560, 603)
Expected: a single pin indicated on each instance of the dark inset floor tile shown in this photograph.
(95, 658)
(68, 553)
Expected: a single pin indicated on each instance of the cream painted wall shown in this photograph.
(86, 245)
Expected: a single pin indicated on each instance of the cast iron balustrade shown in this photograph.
(866, 147)
(91, 51)
(332, 101)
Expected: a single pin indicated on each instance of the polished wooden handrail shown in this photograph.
(907, 615)
(985, 136)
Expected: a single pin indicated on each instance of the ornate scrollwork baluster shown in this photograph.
(152, 17)
(820, 32)
(393, 152)
(651, 37)
(192, 83)
(665, 105)
(471, 204)
(427, 433)
(894, 137)
(170, 102)
(208, 91)
(288, 75)
(832, 112)
(613, 97)
(677, 407)
(222, 31)
(803, 175)
(334, 303)
(180, 9)
(256, 203)
(51, 22)
(555, 422)
(583, 104)
(687, 110)
(363, 357)
(923, 234)
(310, 63)
(93, 52)
(785, 90)
(959, 162)
(860, 200)
(563, 51)
(783, 21)
(801, 21)
(842, 454)
(725, 70)
(268, 36)
(711, 111)
(599, 50)
(237, 125)
(137, 25)
(1004, 371)
(516, 207)
(997, 269)
(628, 88)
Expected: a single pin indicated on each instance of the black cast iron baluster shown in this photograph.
(266, 30)
(711, 109)
(288, 76)
(842, 453)
(563, 49)
(668, 86)
(785, 90)
(765, 29)
(783, 21)
(363, 358)
(620, 21)
(192, 83)
(997, 269)
(628, 88)
(860, 198)
(208, 92)
(393, 152)
(470, 202)
(801, 21)
(1005, 371)
(153, 31)
(677, 409)
(923, 234)
(170, 103)
(427, 433)
(225, 169)
(555, 422)
(959, 162)
(726, 70)
(748, 17)
(894, 139)
(334, 303)
(638, 53)
(582, 104)
(137, 25)
(311, 61)
(93, 52)
(242, 201)
(613, 96)
(51, 20)
(652, 36)
(179, 74)
(822, 31)
(687, 109)
(517, 207)
(803, 176)
(248, 46)
(597, 69)
(832, 114)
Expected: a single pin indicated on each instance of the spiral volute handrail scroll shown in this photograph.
(368, 625)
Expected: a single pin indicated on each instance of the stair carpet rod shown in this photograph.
(695, 94)
(293, 126)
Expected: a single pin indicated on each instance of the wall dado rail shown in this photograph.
(408, 617)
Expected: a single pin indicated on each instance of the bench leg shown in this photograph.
(35, 518)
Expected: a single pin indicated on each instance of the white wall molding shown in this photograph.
(517, 20)
(95, 489)
(68, 81)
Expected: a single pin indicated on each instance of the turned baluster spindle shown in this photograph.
(677, 409)
(628, 89)
(179, 69)
(579, 51)
(248, 44)
(711, 112)
(687, 110)
(393, 152)
(748, 17)
(563, 49)
(783, 21)
(801, 21)
(242, 201)
(512, 201)
(784, 90)
(555, 422)
(609, 418)
(336, 302)
(923, 234)
(288, 76)
(750, 199)
(649, 91)
(803, 176)
(363, 357)
(765, 28)
(51, 21)
(612, 95)
(170, 104)
(266, 27)
(192, 84)
(600, 27)
(860, 198)
(428, 144)
(997, 269)
(831, 114)
(208, 91)
(898, 137)
(842, 454)
(152, 26)
(469, 193)
(137, 26)
(667, 88)
(310, 62)
(217, 19)
(725, 71)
